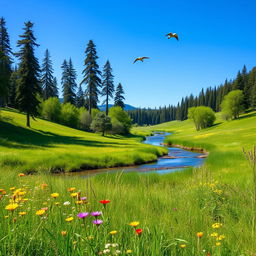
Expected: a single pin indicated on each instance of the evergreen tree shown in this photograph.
(68, 82)
(47, 79)
(28, 86)
(5, 62)
(253, 96)
(108, 84)
(239, 82)
(12, 88)
(119, 96)
(91, 76)
(80, 101)
(55, 87)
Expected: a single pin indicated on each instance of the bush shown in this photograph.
(101, 123)
(69, 115)
(85, 119)
(121, 121)
(202, 116)
(51, 109)
(232, 105)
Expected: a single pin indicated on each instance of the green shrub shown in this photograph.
(232, 105)
(51, 109)
(69, 115)
(121, 121)
(85, 119)
(101, 123)
(202, 116)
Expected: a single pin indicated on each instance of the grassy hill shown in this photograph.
(225, 141)
(49, 146)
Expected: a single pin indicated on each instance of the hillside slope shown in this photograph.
(48, 146)
(225, 142)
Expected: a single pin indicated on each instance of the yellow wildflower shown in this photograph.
(113, 232)
(71, 189)
(199, 234)
(64, 233)
(21, 174)
(55, 195)
(40, 212)
(183, 245)
(128, 251)
(218, 244)
(216, 225)
(74, 194)
(22, 213)
(214, 234)
(11, 207)
(69, 219)
(134, 223)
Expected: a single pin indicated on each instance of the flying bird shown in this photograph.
(140, 59)
(170, 35)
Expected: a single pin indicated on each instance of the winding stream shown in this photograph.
(176, 160)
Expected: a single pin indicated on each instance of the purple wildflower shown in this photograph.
(83, 198)
(96, 214)
(97, 222)
(82, 215)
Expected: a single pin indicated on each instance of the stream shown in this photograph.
(176, 160)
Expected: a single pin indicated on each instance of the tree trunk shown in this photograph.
(28, 120)
(103, 133)
(107, 106)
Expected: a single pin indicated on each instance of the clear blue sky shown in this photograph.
(216, 39)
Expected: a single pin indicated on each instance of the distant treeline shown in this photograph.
(211, 97)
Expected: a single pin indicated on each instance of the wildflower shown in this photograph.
(134, 223)
(82, 215)
(74, 195)
(83, 198)
(199, 234)
(66, 203)
(79, 202)
(71, 189)
(183, 246)
(21, 175)
(22, 213)
(104, 202)
(44, 208)
(55, 195)
(214, 234)
(1, 190)
(216, 225)
(11, 207)
(106, 251)
(221, 237)
(128, 251)
(43, 186)
(114, 232)
(96, 214)
(40, 212)
(97, 222)
(63, 233)
(69, 219)
(138, 231)
(118, 251)
(12, 189)
(4, 192)
(218, 243)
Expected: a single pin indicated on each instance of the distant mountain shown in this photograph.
(103, 107)
(127, 107)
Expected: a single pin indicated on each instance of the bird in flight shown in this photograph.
(140, 59)
(170, 35)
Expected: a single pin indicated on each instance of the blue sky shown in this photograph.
(216, 39)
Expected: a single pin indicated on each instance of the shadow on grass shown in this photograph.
(13, 136)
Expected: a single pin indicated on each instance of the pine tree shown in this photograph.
(91, 76)
(68, 82)
(28, 86)
(47, 79)
(107, 84)
(119, 96)
(5, 62)
(55, 87)
(12, 88)
(80, 101)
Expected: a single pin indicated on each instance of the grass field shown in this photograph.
(52, 147)
(201, 212)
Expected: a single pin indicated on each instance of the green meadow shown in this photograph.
(203, 211)
(50, 147)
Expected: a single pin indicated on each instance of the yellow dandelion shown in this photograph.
(214, 234)
(134, 224)
(12, 188)
(74, 194)
(71, 189)
(218, 243)
(183, 245)
(128, 251)
(63, 233)
(69, 219)
(40, 212)
(55, 195)
(79, 202)
(11, 207)
(114, 232)
(22, 213)
(216, 225)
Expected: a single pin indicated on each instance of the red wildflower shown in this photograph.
(138, 231)
(104, 201)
